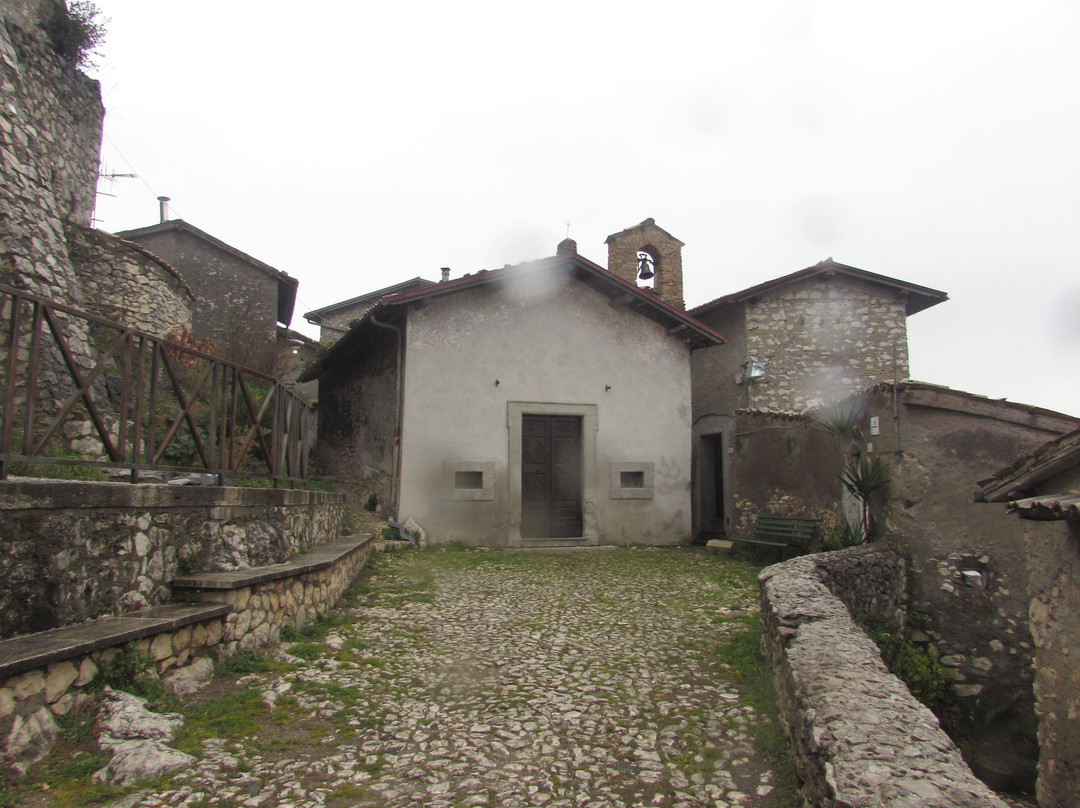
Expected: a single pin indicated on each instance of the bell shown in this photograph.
(645, 268)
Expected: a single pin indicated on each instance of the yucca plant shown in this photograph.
(862, 478)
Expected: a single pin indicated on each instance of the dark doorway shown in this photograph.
(550, 476)
(712, 483)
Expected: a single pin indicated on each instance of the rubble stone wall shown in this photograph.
(822, 342)
(31, 700)
(50, 140)
(858, 735)
(71, 551)
(123, 282)
(261, 610)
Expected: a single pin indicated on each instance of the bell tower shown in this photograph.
(645, 254)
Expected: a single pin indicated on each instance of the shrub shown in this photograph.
(75, 32)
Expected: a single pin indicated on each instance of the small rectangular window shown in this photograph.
(470, 480)
(631, 479)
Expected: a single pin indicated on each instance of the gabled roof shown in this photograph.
(317, 315)
(618, 291)
(1060, 454)
(286, 283)
(918, 297)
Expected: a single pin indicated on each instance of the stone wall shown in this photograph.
(783, 465)
(858, 735)
(822, 342)
(120, 281)
(871, 580)
(50, 139)
(1053, 554)
(238, 296)
(356, 420)
(31, 699)
(261, 609)
(70, 552)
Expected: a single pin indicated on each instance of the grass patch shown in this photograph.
(741, 654)
(246, 662)
(316, 629)
(232, 716)
(307, 650)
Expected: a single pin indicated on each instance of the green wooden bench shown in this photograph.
(782, 532)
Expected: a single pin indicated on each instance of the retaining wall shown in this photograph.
(71, 551)
(48, 674)
(859, 738)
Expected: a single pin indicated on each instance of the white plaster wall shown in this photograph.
(545, 338)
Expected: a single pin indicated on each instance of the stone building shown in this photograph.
(241, 300)
(1044, 489)
(546, 403)
(796, 342)
(337, 318)
(968, 568)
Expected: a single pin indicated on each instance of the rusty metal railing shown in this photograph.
(81, 390)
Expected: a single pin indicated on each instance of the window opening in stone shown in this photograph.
(468, 480)
(631, 479)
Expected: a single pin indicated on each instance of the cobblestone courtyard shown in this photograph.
(581, 678)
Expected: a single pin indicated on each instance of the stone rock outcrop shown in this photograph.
(138, 740)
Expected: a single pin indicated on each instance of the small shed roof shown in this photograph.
(1059, 455)
(918, 297)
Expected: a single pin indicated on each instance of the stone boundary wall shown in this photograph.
(858, 736)
(72, 551)
(871, 580)
(30, 700)
(121, 281)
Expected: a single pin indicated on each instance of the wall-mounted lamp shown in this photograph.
(496, 382)
(607, 387)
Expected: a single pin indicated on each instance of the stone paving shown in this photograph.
(562, 679)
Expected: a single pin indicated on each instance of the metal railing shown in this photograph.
(140, 402)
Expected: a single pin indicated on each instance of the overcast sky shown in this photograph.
(357, 144)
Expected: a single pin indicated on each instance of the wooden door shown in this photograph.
(550, 476)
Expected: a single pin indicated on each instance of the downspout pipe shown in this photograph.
(395, 460)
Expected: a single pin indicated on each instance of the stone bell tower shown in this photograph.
(646, 252)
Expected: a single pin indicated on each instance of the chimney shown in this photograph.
(445, 274)
(163, 206)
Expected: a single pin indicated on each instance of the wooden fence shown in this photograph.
(81, 390)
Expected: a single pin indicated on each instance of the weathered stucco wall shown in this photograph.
(1053, 554)
(784, 466)
(951, 440)
(357, 403)
(544, 341)
(858, 735)
(124, 283)
(72, 551)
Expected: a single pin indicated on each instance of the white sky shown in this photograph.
(358, 144)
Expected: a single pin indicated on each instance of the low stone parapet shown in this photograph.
(858, 736)
(265, 599)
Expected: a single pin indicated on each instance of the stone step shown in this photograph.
(28, 651)
(323, 556)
